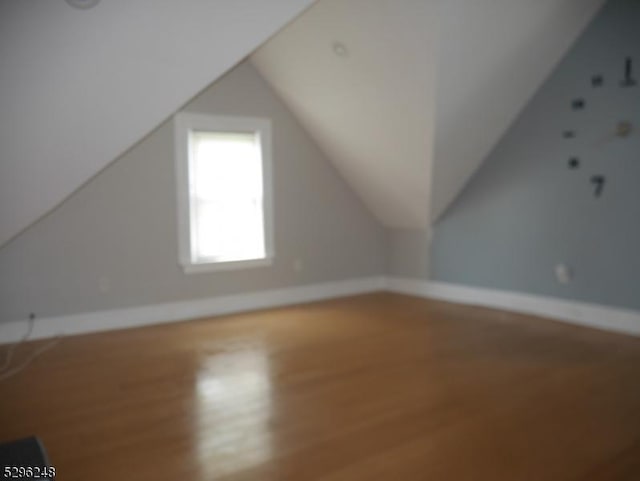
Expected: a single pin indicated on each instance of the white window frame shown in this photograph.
(184, 123)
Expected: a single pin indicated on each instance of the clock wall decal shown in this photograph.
(622, 129)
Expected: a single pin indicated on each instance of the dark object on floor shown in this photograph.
(16, 457)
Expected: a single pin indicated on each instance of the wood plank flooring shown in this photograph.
(375, 387)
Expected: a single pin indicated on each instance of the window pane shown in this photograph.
(226, 197)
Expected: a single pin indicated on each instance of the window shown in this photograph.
(223, 167)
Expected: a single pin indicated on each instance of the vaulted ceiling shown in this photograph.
(406, 97)
(492, 57)
(369, 106)
(78, 87)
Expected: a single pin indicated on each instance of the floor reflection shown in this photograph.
(233, 408)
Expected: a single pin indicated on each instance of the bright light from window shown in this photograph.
(226, 196)
(223, 173)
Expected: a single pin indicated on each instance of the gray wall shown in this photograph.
(525, 210)
(113, 244)
(409, 253)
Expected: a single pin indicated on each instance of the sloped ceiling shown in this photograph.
(492, 57)
(371, 109)
(80, 86)
(424, 89)
(422, 92)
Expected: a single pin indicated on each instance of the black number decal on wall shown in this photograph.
(577, 104)
(628, 80)
(598, 181)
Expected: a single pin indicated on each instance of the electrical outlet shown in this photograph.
(563, 273)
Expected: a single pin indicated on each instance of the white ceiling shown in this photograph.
(426, 90)
(79, 87)
(492, 57)
(371, 111)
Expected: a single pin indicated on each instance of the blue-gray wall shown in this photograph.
(525, 211)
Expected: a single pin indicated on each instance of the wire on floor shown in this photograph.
(6, 371)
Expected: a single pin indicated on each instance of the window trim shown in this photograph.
(184, 122)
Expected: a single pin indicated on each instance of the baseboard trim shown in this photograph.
(186, 310)
(581, 313)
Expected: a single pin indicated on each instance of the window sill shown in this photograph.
(226, 266)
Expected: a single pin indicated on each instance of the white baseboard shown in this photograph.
(585, 314)
(581, 313)
(185, 310)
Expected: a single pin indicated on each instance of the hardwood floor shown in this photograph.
(375, 387)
